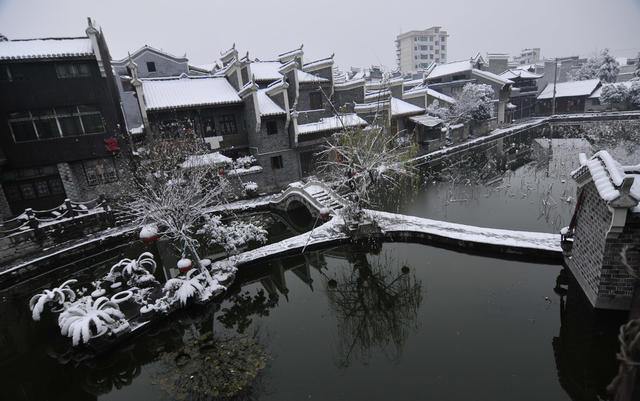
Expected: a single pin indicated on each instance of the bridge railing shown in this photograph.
(32, 219)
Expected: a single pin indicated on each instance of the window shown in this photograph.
(151, 66)
(100, 171)
(276, 162)
(437, 43)
(430, 47)
(54, 123)
(443, 47)
(423, 56)
(437, 60)
(69, 121)
(40, 188)
(423, 47)
(22, 127)
(228, 124)
(442, 39)
(430, 38)
(431, 56)
(91, 119)
(73, 70)
(272, 127)
(437, 51)
(315, 100)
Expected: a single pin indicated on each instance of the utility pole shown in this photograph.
(555, 79)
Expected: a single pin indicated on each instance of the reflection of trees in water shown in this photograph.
(244, 305)
(213, 367)
(376, 305)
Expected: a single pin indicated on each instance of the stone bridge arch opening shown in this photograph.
(299, 215)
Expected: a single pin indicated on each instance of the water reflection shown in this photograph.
(585, 348)
(376, 305)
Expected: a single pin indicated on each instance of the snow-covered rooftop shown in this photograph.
(332, 124)
(266, 70)
(572, 88)
(454, 67)
(426, 120)
(146, 48)
(422, 89)
(349, 84)
(305, 77)
(214, 159)
(267, 106)
(491, 76)
(317, 64)
(402, 108)
(607, 175)
(185, 91)
(517, 73)
(45, 48)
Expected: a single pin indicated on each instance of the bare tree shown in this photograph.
(358, 160)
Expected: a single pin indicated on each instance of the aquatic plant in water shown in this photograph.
(213, 368)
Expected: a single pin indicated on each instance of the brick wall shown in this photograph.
(592, 223)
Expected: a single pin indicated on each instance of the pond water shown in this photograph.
(375, 322)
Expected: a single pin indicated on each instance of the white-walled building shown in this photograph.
(416, 50)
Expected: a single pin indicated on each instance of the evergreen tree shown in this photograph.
(608, 71)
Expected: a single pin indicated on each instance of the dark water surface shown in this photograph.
(379, 322)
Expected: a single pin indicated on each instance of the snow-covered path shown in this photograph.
(513, 241)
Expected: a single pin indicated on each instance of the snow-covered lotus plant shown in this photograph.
(182, 289)
(87, 318)
(60, 295)
(137, 272)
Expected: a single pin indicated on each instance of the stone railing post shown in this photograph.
(69, 206)
(31, 218)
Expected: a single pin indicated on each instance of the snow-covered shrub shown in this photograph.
(634, 92)
(475, 102)
(60, 295)
(589, 70)
(242, 162)
(85, 319)
(614, 93)
(250, 188)
(234, 234)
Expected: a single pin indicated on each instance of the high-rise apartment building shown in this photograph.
(416, 50)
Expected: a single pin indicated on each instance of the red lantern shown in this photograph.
(221, 171)
(184, 265)
(149, 234)
(325, 212)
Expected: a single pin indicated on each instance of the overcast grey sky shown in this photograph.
(359, 32)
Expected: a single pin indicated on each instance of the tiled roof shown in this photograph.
(267, 106)
(266, 70)
(305, 77)
(572, 88)
(45, 48)
(402, 108)
(186, 91)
